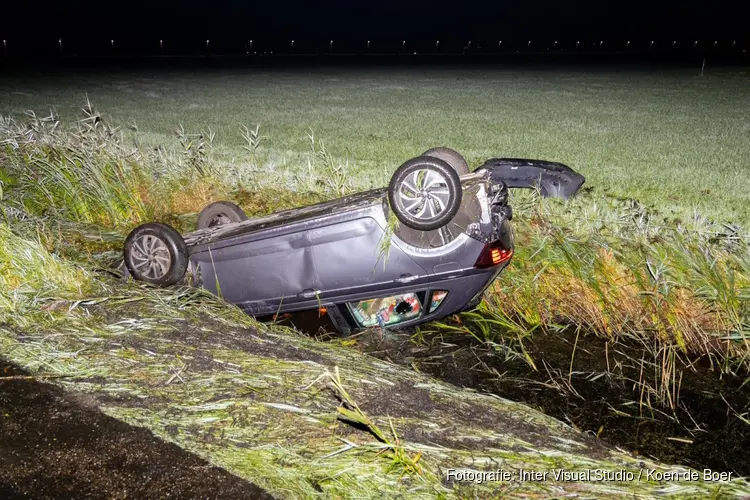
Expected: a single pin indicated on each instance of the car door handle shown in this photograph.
(406, 278)
(308, 293)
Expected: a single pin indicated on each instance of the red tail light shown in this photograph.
(493, 255)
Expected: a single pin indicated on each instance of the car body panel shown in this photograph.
(551, 178)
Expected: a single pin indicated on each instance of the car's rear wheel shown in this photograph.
(451, 157)
(156, 253)
(425, 193)
(220, 213)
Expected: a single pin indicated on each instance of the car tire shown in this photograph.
(156, 253)
(451, 157)
(220, 213)
(425, 193)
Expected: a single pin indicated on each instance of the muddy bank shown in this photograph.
(54, 445)
(605, 392)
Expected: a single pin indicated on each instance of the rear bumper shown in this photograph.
(551, 178)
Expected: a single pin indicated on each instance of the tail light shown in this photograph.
(493, 254)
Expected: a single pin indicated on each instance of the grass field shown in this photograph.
(654, 247)
(652, 259)
(671, 139)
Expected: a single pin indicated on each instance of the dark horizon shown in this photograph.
(86, 28)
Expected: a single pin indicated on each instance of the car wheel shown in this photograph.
(425, 193)
(156, 253)
(220, 213)
(451, 157)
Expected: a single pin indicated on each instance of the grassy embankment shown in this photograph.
(265, 403)
(603, 263)
(654, 249)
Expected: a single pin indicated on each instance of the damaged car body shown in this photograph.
(551, 179)
(425, 247)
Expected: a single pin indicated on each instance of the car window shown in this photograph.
(386, 311)
(437, 298)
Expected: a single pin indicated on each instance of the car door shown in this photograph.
(260, 275)
(348, 259)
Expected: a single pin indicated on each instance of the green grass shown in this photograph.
(613, 261)
(672, 140)
(272, 406)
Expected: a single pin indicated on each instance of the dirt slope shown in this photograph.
(57, 445)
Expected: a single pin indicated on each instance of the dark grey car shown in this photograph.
(424, 248)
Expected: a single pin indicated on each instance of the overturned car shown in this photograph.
(423, 248)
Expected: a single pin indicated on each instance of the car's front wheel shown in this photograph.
(425, 193)
(156, 253)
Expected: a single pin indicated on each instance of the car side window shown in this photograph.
(386, 311)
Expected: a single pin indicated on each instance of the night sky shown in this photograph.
(185, 25)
